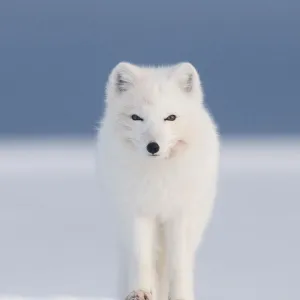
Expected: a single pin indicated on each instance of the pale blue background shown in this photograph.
(55, 56)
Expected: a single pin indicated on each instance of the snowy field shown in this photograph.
(56, 235)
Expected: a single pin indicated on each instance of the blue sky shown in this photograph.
(56, 55)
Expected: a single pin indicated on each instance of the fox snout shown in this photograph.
(152, 148)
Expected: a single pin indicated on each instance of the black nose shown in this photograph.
(152, 147)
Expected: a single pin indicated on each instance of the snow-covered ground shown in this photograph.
(56, 234)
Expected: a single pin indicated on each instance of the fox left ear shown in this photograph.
(187, 77)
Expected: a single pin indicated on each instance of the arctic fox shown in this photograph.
(158, 152)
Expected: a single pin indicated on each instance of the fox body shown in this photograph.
(158, 154)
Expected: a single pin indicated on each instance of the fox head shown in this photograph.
(154, 110)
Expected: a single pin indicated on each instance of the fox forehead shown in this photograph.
(151, 92)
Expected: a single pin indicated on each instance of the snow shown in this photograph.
(57, 235)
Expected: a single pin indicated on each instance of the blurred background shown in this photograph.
(55, 56)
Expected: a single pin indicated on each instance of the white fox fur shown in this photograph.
(165, 200)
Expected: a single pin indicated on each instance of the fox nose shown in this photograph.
(153, 147)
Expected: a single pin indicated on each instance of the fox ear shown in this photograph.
(186, 76)
(123, 76)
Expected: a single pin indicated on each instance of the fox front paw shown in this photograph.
(139, 295)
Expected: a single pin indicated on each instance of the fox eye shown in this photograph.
(171, 118)
(136, 118)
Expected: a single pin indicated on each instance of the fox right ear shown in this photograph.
(123, 76)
